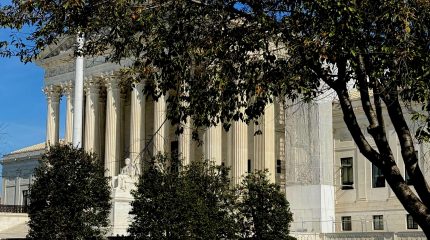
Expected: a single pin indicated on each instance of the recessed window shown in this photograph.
(346, 223)
(249, 166)
(347, 173)
(378, 222)
(408, 179)
(25, 198)
(378, 179)
(278, 166)
(411, 224)
(174, 149)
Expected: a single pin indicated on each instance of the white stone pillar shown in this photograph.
(185, 143)
(240, 151)
(159, 125)
(53, 94)
(213, 144)
(92, 134)
(112, 136)
(270, 142)
(68, 93)
(137, 123)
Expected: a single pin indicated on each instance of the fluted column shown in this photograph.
(159, 125)
(240, 151)
(92, 134)
(137, 122)
(112, 136)
(213, 144)
(68, 93)
(185, 143)
(53, 94)
(270, 142)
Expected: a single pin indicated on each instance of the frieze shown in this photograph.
(65, 46)
(60, 74)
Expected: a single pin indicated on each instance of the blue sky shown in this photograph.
(22, 104)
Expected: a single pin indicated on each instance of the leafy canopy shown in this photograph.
(240, 55)
(199, 202)
(70, 196)
(220, 61)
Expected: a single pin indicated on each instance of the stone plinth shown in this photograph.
(120, 218)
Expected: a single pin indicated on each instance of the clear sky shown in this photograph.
(22, 104)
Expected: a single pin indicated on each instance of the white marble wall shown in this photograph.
(309, 171)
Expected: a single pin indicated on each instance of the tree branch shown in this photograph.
(363, 87)
(406, 143)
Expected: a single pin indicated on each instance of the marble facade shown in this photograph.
(302, 146)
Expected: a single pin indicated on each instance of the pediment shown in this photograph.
(52, 50)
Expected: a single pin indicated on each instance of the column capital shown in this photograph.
(52, 92)
(138, 86)
(110, 81)
(67, 88)
(92, 86)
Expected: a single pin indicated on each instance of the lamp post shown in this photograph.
(79, 91)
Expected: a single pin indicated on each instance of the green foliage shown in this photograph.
(199, 202)
(195, 203)
(225, 60)
(264, 208)
(70, 196)
(239, 54)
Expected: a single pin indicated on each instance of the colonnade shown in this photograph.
(119, 121)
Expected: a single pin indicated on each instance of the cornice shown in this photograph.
(63, 44)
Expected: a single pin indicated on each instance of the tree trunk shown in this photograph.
(385, 160)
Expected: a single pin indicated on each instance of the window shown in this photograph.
(249, 166)
(347, 173)
(378, 179)
(174, 149)
(25, 198)
(346, 223)
(411, 224)
(407, 177)
(278, 166)
(378, 222)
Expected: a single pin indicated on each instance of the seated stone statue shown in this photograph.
(128, 176)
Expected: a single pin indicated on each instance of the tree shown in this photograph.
(196, 203)
(199, 202)
(223, 61)
(70, 196)
(265, 209)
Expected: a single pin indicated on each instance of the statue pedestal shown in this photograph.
(120, 218)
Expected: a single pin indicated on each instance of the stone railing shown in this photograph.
(13, 208)
(416, 235)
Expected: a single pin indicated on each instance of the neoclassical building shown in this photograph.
(306, 148)
(120, 122)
